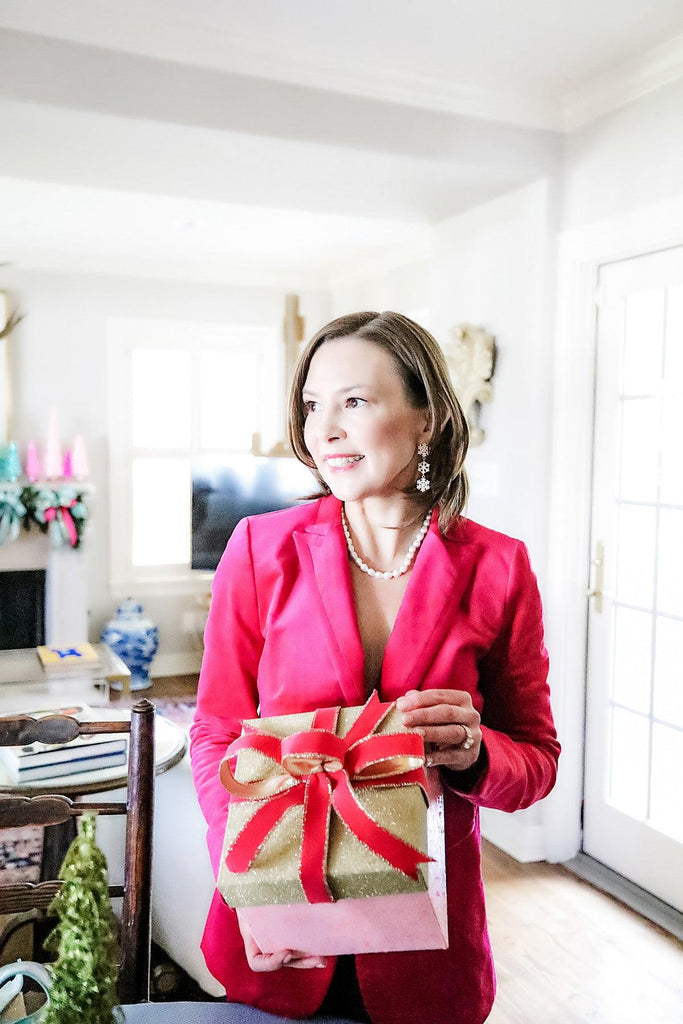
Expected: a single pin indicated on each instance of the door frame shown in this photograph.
(581, 251)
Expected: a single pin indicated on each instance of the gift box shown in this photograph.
(334, 842)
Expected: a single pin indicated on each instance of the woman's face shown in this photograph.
(360, 428)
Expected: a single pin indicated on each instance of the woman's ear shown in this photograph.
(427, 432)
(432, 433)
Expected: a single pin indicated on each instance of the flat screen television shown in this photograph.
(226, 488)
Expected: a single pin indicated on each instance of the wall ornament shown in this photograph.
(471, 358)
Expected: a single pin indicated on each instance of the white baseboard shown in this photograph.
(184, 663)
(626, 891)
(523, 841)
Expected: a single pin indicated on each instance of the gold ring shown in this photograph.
(468, 742)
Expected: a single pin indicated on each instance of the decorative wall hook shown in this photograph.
(471, 358)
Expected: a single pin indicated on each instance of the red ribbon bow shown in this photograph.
(318, 769)
(67, 520)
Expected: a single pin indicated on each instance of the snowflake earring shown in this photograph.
(423, 468)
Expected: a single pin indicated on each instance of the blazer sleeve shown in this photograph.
(227, 692)
(520, 750)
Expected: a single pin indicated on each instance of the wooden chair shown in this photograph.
(49, 809)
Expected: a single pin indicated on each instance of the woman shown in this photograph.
(380, 584)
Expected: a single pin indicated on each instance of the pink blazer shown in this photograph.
(282, 637)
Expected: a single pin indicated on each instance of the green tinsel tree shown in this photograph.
(84, 985)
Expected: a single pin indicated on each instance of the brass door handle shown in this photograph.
(598, 564)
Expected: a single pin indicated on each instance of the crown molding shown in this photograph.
(605, 93)
(334, 74)
(429, 93)
(264, 56)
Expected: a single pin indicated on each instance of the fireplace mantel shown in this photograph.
(66, 584)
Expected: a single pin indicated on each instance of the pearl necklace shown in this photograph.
(405, 565)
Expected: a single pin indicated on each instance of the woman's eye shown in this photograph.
(355, 403)
(310, 407)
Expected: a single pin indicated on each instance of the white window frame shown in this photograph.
(126, 334)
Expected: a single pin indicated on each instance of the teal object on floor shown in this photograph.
(10, 974)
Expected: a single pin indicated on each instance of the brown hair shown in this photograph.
(422, 366)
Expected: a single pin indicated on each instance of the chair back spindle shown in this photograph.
(50, 808)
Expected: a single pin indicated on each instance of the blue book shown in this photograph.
(75, 766)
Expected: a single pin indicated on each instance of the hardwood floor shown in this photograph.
(565, 952)
(570, 954)
(173, 687)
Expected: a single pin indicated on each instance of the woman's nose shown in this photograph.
(330, 425)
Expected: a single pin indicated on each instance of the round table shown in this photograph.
(170, 744)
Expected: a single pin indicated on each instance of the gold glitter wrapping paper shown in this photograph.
(353, 870)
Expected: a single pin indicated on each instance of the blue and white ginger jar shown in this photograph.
(135, 639)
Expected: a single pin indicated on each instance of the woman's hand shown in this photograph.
(259, 961)
(446, 720)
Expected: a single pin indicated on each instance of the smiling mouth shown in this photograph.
(342, 461)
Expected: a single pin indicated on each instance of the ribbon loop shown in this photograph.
(382, 756)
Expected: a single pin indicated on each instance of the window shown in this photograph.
(179, 390)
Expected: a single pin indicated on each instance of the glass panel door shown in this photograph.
(633, 806)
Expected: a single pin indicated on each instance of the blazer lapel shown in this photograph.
(322, 552)
(440, 582)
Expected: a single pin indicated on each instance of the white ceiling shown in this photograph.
(46, 226)
(531, 62)
(216, 139)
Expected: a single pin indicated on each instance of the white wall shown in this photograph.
(623, 195)
(627, 159)
(59, 357)
(494, 265)
(402, 288)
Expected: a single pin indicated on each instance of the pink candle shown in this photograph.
(33, 467)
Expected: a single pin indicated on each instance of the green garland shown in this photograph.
(13, 514)
(84, 976)
(60, 511)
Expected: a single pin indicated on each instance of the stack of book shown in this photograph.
(63, 660)
(37, 762)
